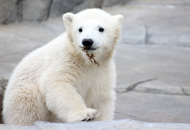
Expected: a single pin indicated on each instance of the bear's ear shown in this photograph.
(68, 19)
(119, 18)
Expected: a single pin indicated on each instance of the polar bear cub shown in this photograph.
(58, 82)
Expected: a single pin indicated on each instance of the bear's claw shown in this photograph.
(84, 115)
(91, 116)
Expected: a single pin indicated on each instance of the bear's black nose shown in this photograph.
(87, 42)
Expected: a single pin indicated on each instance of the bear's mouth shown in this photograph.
(91, 48)
(88, 48)
(91, 57)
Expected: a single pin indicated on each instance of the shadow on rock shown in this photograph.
(3, 84)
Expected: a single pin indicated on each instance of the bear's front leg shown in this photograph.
(106, 107)
(63, 100)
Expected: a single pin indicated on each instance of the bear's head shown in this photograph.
(94, 29)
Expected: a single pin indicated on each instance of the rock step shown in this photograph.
(109, 125)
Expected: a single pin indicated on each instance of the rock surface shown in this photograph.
(6, 7)
(109, 3)
(154, 22)
(35, 10)
(39, 10)
(3, 84)
(59, 7)
(109, 125)
(153, 83)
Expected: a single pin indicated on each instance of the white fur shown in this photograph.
(58, 83)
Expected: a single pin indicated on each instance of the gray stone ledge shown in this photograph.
(105, 125)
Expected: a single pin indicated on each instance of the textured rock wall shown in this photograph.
(3, 84)
(6, 8)
(39, 10)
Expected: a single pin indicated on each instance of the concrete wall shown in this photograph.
(39, 10)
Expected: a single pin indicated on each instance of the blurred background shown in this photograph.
(39, 10)
(153, 56)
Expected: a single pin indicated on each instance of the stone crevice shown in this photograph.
(19, 6)
(134, 85)
(49, 8)
(150, 90)
(163, 93)
(185, 93)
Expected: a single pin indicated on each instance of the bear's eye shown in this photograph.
(101, 29)
(80, 29)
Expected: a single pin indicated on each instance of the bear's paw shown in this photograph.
(84, 115)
